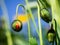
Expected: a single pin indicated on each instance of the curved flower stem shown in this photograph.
(17, 9)
(27, 18)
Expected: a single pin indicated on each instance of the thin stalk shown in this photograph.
(28, 26)
(56, 32)
(44, 6)
(32, 16)
(39, 23)
(41, 42)
(29, 32)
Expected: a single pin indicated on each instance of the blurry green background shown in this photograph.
(7, 15)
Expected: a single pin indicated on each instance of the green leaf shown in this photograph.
(33, 41)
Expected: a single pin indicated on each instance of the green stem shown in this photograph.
(28, 26)
(44, 6)
(40, 36)
(56, 42)
(31, 16)
(29, 31)
(40, 30)
(17, 9)
(55, 31)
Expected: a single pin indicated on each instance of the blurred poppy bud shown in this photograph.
(17, 25)
(45, 15)
(51, 34)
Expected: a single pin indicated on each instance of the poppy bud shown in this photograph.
(45, 15)
(51, 35)
(17, 25)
